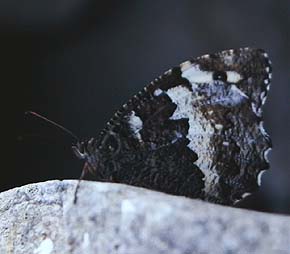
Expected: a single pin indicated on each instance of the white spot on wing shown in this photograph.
(195, 75)
(228, 59)
(257, 111)
(233, 77)
(262, 129)
(185, 65)
(262, 95)
(157, 92)
(135, 123)
(219, 126)
(246, 194)
(266, 153)
(46, 247)
(259, 178)
(264, 100)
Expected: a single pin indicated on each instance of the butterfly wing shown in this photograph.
(235, 144)
(195, 131)
(142, 146)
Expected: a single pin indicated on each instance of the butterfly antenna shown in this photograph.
(53, 123)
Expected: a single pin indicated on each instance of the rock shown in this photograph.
(113, 218)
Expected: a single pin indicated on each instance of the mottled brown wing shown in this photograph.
(196, 131)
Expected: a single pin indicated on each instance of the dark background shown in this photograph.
(77, 61)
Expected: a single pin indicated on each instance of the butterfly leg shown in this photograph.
(87, 168)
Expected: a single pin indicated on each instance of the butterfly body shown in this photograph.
(196, 131)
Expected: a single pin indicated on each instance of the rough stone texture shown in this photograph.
(112, 218)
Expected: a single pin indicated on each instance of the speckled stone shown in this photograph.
(113, 218)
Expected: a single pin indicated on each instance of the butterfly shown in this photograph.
(196, 131)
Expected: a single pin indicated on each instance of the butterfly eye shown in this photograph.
(220, 75)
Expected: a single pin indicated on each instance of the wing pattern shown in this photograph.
(196, 131)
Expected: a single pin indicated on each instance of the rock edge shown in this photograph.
(41, 218)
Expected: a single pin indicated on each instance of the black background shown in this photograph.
(77, 61)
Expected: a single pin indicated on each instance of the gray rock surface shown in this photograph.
(113, 218)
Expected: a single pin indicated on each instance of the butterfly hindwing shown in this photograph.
(195, 131)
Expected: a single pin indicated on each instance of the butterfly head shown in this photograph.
(86, 150)
(97, 152)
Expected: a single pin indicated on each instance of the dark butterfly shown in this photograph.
(196, 131)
